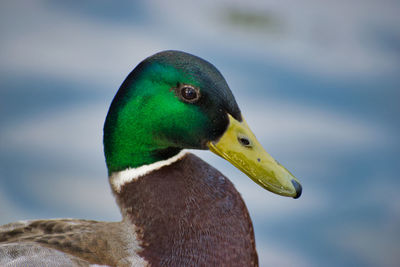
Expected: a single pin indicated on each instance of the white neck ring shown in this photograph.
(118, 179)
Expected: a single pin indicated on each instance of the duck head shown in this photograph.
(174, 100)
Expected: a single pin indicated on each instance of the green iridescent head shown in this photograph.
(170, 101)
(174, 100)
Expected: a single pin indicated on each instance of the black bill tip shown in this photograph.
(298, 189)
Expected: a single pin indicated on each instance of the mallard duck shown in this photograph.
(177, 210)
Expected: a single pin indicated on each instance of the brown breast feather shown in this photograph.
(189, 214)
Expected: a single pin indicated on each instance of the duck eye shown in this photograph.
(189, 93)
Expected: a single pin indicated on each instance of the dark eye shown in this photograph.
(189, 93)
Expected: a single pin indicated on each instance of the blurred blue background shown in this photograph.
(318, 82)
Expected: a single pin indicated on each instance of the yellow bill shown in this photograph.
(240, 147)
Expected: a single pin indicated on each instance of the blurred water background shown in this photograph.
(318, 82)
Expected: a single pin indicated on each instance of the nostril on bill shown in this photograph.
(244, 141)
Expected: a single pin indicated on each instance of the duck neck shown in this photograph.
(183, 205)
(131, 130)
(124, 178)
(133, 147)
